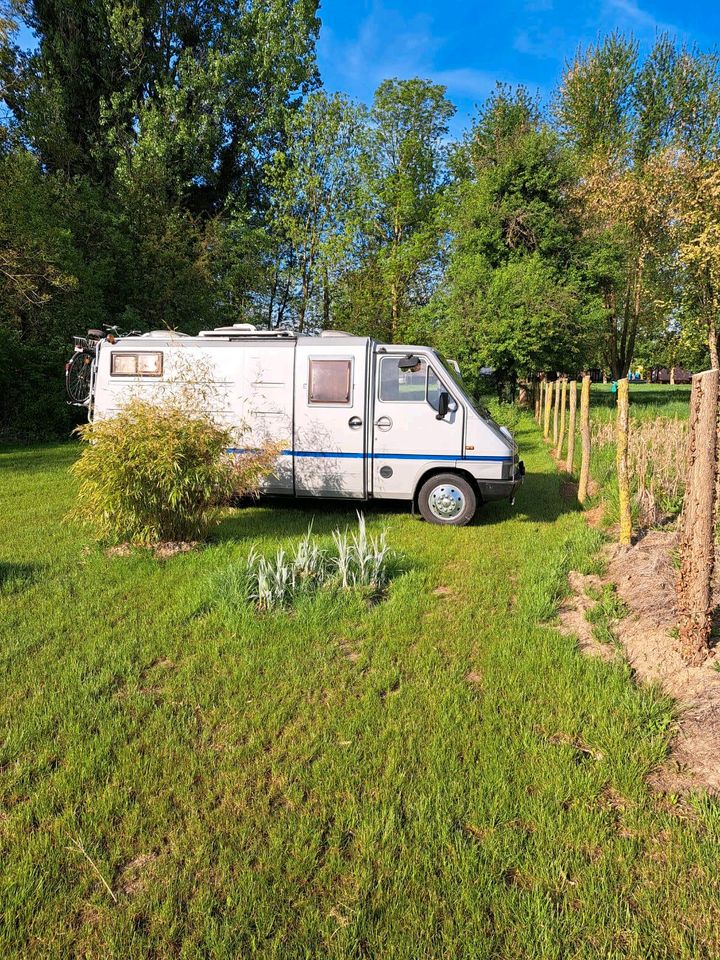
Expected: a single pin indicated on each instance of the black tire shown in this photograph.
(77, 376)
(447, 499)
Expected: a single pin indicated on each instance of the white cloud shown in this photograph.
(629, 13)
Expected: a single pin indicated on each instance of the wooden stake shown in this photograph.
(621, 459)
(584, 439)
(556, 405)
(561, 433)
(697, 538)
(548, 402)
(569, 465)
(537, 393)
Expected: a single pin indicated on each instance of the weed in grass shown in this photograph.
(606, 613)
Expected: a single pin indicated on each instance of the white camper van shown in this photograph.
(358, 419)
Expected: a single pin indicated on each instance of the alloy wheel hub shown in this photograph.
(446, 502)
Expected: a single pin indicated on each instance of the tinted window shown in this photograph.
(329, 381)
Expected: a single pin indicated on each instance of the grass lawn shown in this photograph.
(647, 401)
(441, 775)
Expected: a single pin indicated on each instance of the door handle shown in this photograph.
(355, 422)
(383, 423)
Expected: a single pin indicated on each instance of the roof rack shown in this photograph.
(242, 330)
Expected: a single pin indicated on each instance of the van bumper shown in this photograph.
(501, 489)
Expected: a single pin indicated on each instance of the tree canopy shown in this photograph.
(180, 165)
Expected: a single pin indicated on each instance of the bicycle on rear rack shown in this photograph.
(79, 368)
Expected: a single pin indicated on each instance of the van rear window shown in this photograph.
(145, 364)
(329, 381)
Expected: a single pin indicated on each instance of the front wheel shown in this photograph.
(447, 499)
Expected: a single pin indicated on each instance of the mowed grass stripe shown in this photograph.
(439, 775)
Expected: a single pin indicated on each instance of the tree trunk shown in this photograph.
(672, 376)
(394, 310)
(548, 408)
(584, 439)
(569, 465)
(623, 473)
(713, 342)
(697, 538)
(326, 300)
(561, 432)
(556, 411)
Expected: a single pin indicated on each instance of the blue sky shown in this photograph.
(469, 45)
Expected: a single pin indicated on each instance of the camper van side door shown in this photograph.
(330, 442)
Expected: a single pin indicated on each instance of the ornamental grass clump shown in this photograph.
(156, 473)
(359, 561)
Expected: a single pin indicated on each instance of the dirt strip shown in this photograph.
(644, 576)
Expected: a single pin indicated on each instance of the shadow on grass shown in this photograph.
(538, 500)
(15, 577)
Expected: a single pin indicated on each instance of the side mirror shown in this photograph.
(443, 405)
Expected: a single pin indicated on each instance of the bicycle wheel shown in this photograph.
(77, 376)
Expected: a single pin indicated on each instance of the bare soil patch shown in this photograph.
(135, 875)
(161, 551)
(644, 576)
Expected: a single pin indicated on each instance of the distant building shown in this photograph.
(662, 375)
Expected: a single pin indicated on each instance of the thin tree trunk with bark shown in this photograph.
(561, 432)
(697, 539)
(548, 409)
(569, 465)
(621, 457)
(584, 439)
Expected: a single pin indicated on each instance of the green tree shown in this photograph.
(313, 186)
(403, 175)
(516, 298)
(627, 120)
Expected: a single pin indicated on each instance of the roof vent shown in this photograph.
(334, 333)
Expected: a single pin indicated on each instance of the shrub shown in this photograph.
(158, 473)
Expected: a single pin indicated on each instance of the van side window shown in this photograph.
(145, 364)
(405, 385)
(330, 381)
(434, 389)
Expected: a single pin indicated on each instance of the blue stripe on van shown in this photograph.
(339, 455)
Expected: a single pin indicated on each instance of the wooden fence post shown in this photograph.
(548, 402)
(584, 439)
(569, 465)
(697, 539)
(556, 410)
(621, 459)
(561, 432)
(537, 396)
